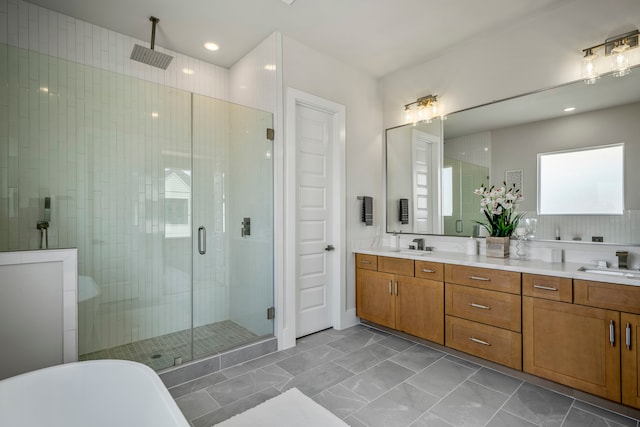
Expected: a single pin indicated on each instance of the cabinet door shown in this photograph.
(420, 308)
(630, 359)
(374, 297)
(573, 345)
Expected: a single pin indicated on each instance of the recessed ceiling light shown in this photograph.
(270, 67)
(569, 109)
(188, 71)
(211, 46)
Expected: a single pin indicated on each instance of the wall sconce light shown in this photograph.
(423, 109)
(617, 48)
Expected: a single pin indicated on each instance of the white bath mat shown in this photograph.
(290, 409)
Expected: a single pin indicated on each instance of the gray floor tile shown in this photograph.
(612, 416)
(319, 379)
(469, 405)
(430, 420)
(254, 364)
(340, 401)
(441, 377)
(398, 407)
(240, 387)
(365, 358)
(463, 362)
(417, 357)
(235, 408)
(355, 341)
(579, 418)
(354, 422)
(376, 381)
(538, 405)
(196, 404)
(302, 362)
(396, 343)
(496, 381)
(505, 419)
(197, 384)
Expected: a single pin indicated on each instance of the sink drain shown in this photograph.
(156, 356)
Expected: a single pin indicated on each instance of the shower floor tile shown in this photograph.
(160, 352)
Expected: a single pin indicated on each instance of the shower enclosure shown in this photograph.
(167, 195)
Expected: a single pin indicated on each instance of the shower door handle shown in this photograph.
(202, 240)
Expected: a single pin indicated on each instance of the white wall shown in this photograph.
(317, 74)
(541, 52)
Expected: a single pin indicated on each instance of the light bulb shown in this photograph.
(408, 115)
(620, 63)
(589, 69)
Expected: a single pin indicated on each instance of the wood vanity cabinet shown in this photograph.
(483, 313)
(393, 296)
(588, 343)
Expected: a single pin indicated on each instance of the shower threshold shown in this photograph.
(160, 352)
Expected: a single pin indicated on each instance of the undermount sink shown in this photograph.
(631, 274)
(415, 252)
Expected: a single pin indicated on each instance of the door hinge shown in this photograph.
(271, 313)
(270, 134)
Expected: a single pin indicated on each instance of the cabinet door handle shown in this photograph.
(390, 293)
(484, 279)
(483, 307)
(426, 270)
(545, 288)
(476, 340)
(612, 333)
(628, 336)
(365, 262)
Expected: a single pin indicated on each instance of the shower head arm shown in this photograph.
(154, 22)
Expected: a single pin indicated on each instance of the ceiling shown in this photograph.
(375, 36)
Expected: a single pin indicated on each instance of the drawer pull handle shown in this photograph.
(484, 279)
(483, 307)
(396, 288)
(476, 340)
(612, 333)
(545, 288)
(365, 262)
(426, 270)
(390, 293)
(628, 336)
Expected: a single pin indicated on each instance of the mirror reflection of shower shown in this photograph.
(43, 226)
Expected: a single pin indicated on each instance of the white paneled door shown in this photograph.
(315, 254)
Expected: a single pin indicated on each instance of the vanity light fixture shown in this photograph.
(617, 48)
(423, 109)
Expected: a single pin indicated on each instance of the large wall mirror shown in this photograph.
(433, 168)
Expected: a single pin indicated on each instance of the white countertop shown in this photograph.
(569, 270)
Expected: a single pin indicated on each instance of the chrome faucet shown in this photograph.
(622, 258)
(420, 244)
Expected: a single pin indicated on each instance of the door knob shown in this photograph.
(329, 248)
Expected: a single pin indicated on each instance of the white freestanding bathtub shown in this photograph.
(113, 393)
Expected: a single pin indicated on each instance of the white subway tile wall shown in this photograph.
(102, 135)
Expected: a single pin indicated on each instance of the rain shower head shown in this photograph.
(150, 56)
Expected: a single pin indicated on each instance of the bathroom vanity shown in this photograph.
(554, 321)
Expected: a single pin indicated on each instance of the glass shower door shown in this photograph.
(232, 225)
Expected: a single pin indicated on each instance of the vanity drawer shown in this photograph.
(429, 270)
(547, 287)
(486, 278)
(488, 342)
(368, 262)
(396, 265)
(490, 307)
(612, 296)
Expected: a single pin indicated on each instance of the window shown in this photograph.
(588, 181)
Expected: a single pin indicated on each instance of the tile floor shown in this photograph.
(370, 378)
(160, 352)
